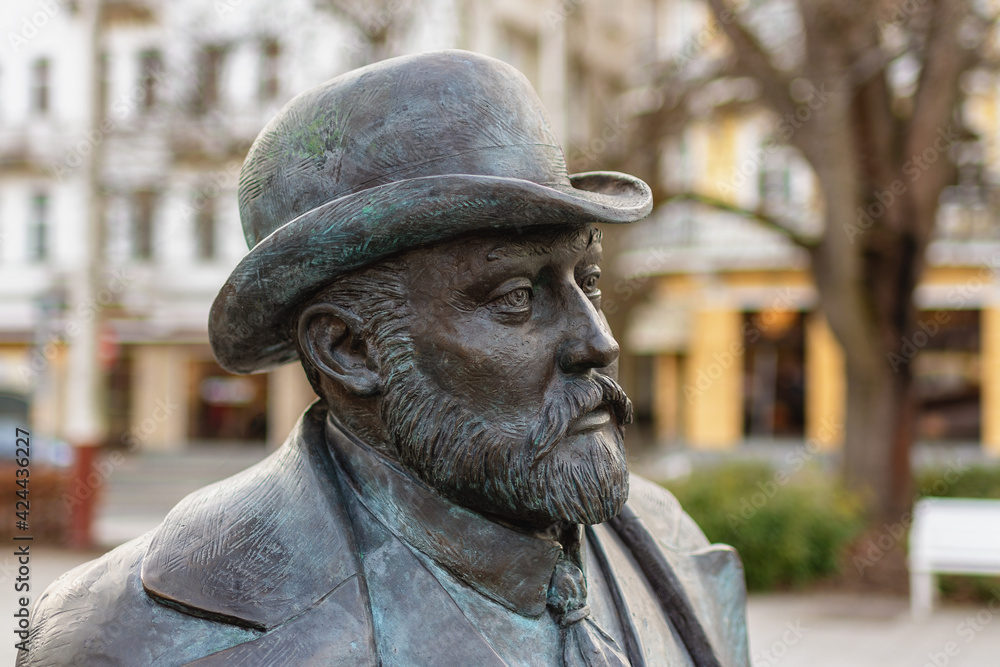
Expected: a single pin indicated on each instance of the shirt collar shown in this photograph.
(506, 565)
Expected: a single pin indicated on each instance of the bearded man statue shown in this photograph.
(459, 494)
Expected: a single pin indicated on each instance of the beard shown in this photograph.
(539, 475)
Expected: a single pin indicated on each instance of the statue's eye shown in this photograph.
(516, 300)
(512, 300)
(588, 284)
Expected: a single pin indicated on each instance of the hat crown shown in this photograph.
(448, 112)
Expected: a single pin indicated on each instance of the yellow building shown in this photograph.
(728, 343)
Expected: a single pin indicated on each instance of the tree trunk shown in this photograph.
(878, 434)
(874, 317)
(866, 270)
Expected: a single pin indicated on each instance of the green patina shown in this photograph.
(322, 135)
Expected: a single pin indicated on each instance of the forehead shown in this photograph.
(542, 243)
(486, 257)
(489, 249)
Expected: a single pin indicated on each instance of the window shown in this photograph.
(520, 49)
(150, 69)
(143, 206)
(774, 181)
(578, 93)
(209, 78)
(269, 70)
(775, 184)
(205, 230)
(38, 228)
(103, 81)
(40, 86)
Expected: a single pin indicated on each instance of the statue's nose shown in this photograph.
(588, 342)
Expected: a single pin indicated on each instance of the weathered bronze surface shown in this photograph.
(459, 494)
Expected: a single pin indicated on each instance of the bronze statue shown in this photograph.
(459, 494)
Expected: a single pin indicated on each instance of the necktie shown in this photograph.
(584, 643)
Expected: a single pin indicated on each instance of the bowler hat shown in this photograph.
(400, 154)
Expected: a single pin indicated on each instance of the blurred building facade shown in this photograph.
(728, 341)
(145, 109)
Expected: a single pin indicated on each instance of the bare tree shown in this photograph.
(379, 26)
(880, 84)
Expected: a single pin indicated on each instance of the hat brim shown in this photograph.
(249, 327)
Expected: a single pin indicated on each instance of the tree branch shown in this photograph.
(781, 226)
(753, 59)
(934, 102)
(376, 21)
(873, 62)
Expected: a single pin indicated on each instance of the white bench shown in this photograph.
(951, 536)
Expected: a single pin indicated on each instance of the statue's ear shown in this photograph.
(330, 337)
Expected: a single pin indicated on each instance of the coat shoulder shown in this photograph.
(260, 547)
(664, 517)
(98, 613)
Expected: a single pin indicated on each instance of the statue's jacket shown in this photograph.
(263, 568)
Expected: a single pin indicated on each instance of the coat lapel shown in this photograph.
(416, 620)
(710, 575)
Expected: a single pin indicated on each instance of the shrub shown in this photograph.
(788, 529)
(978, 481)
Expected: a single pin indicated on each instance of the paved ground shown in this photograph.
(853, 631)
(813, 630)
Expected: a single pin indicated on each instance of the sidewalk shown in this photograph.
(840, 630)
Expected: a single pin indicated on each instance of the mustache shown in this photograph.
(577, 399)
